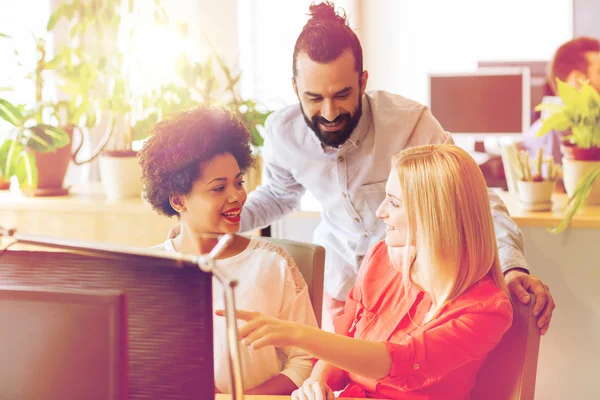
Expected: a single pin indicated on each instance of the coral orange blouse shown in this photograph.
(434, 360)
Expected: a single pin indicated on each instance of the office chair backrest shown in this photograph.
(510, 369)
(310, 259)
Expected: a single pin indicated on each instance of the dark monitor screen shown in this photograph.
(482, 103)
(539, 76)
(169, 313)
(62, 344)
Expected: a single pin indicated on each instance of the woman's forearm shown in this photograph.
(333, 376)
(277, 385)
(361, 357)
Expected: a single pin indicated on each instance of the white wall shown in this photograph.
(404, 40)
(20, 19)
(268, 30)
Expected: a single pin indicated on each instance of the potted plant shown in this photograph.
(535, 184)
(37, 125)
(38, 151)
(579, 116)
(129, 116)
(112, 23)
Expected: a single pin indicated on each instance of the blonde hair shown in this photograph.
(449, 221)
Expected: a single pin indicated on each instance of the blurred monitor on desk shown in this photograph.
(62, 344)
(168, 312)
(538, 71)
(478, 104)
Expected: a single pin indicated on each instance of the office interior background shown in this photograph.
(407, 45)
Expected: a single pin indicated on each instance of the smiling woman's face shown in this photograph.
(393, 213)
(217, 197)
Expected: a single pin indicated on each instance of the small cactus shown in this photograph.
(534, 173)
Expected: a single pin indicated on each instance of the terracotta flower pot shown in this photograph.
(4, 185)
(573, 152)
(51, 169)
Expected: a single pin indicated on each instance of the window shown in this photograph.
(267, 33)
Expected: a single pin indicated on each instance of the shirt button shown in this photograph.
(340, 158)
(365, 235)
(345, 195)
(357, 219)
(416, 366)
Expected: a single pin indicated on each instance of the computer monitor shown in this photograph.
(169, 312)
(482, 103)
(62, 344)
(539, 76)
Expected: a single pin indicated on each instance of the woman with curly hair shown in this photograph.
(193, 167)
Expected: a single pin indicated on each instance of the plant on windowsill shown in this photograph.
(579, 114)
(105, 30)
(38, 151)
(131, 115)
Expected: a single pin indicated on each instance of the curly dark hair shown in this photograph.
(181, 141)
(326, 36)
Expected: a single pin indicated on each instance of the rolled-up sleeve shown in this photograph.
(423, 359)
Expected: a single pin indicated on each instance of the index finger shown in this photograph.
(239, 314)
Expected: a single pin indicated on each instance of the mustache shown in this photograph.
(339, 118)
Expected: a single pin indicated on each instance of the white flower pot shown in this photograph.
(121, 176)
(535, 196)
(573, 171)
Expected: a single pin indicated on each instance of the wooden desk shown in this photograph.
(587, 217)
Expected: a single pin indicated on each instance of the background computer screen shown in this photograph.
(538, 71)
(62, 344)
(482, 102)
(169, 314)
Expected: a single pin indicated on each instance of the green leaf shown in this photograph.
(582, 191)
(568, 94)
(44, 138)
(54, 63)
(141, 129)
(9, 152)
(2, 35)
(26, 170)
(56, 16)
(557, 122)
(10, 113)
(551, 108)
(5, 148)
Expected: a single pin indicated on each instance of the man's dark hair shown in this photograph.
(326, 36)
(171, 157)
(571, 56)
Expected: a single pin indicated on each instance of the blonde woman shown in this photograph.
(430, 301)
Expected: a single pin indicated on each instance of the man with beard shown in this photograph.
(338, 144)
